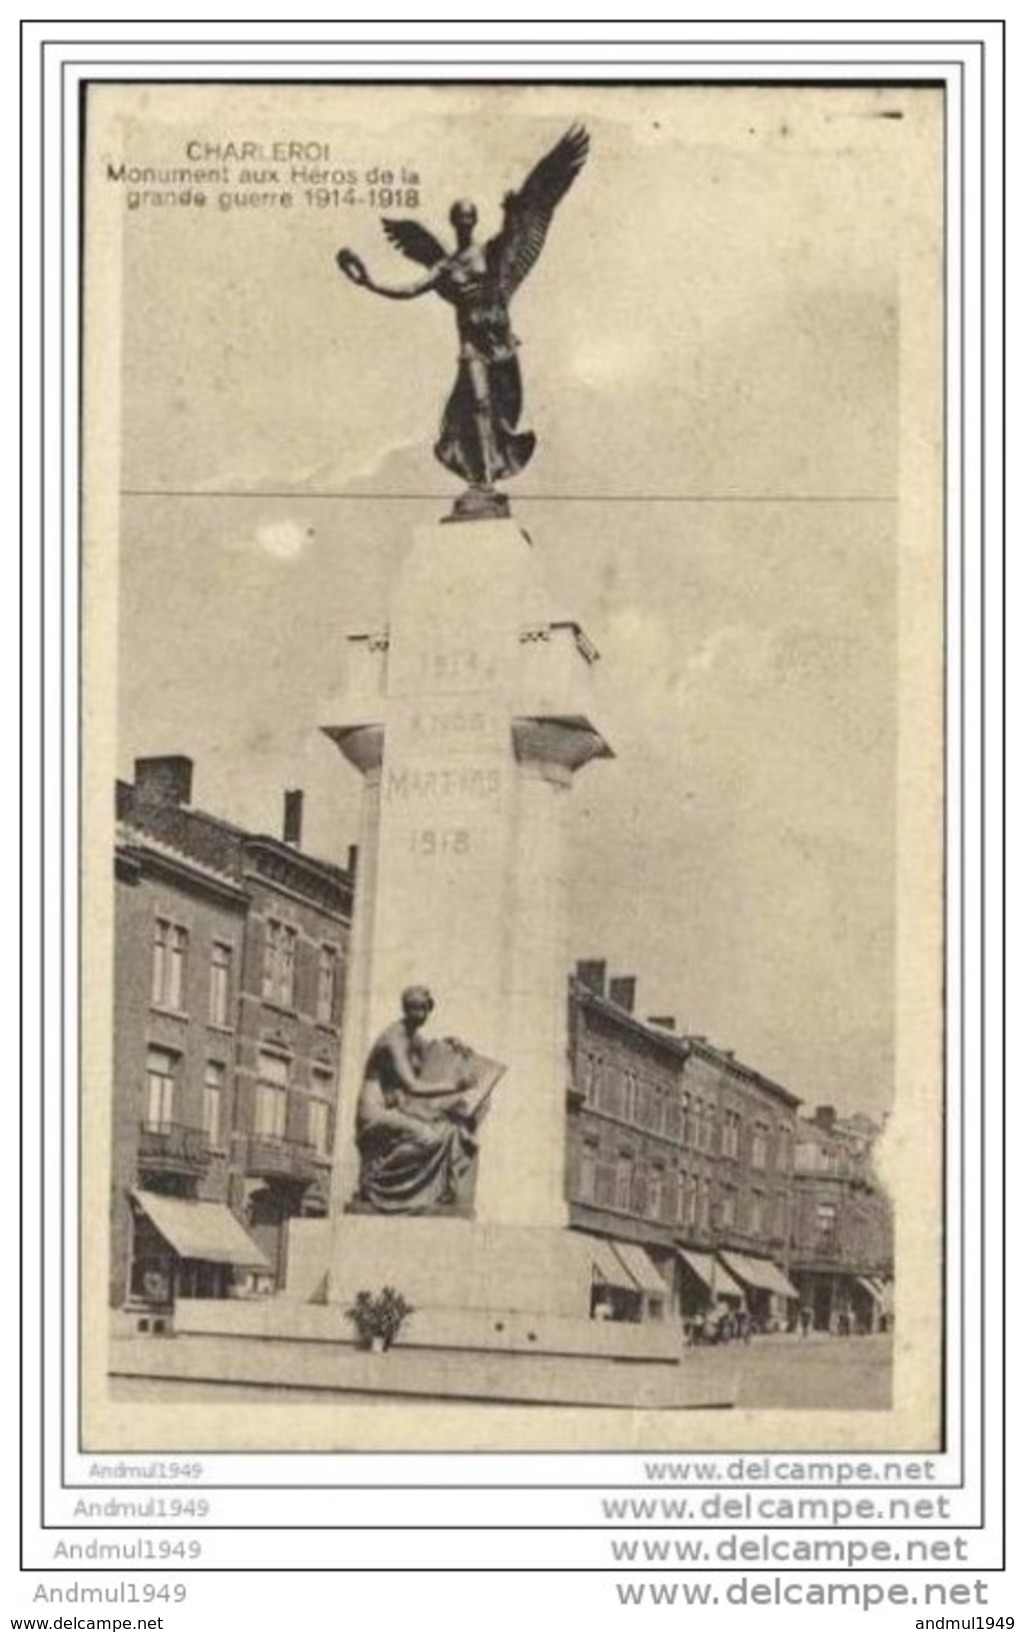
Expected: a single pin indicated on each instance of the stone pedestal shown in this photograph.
(468, 720)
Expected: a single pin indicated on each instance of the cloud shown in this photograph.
(284, 539)
(608, 362)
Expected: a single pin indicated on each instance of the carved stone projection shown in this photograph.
(480, 438)
(419, 1110)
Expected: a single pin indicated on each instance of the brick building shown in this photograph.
(841, 1242)
(679, 1148)
(229, 968)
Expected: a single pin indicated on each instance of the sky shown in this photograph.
(711, 355)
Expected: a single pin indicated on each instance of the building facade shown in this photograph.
(230, 955)
(678, 1147)
(842, 1226)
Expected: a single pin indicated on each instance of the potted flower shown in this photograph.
(378, 1317)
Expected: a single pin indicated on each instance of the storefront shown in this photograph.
(770, 1297)
(625, 1285)
(190, 1249)
(706, 1285)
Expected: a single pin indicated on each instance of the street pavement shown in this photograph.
(814, 1373)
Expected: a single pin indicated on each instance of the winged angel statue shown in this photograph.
(480, 439)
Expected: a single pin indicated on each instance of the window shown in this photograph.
(673, 1115)
(670, 1198)
(327, 979)
(588, 1171)
(170, 943)
(711, 1126)
(825, 1224)
(612, 1092)
(323, 1092)
(728, 1206)
(639, 1189)
(688, 1124)
(213, 1098)
(630, 1096)
(703, 1204)
(784, 1150)
(317, 1126)
(731, 1133)
(220, 984)
(161, 1066)
(689, 1199)
(756, 1213)
(624, 1178)
(658, 1108)
(279, 964)
(605, 1181)
(272, 1097)
(760, 1145)
(589, 1076)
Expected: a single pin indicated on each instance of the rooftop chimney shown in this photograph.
(825, 1116)
(352, 859)
(164, 779)
(664, 1022)
(623, 991)
(591, 973)
(293, 826)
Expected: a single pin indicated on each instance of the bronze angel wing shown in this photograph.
(512, 253)
(414, 241)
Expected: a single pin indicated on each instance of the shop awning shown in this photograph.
(714, 1274)
(761, 1273)
(874, 1291)
(608, 1267)
(641, 1268)
(201, 1229)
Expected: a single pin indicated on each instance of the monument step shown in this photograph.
(274, 1367)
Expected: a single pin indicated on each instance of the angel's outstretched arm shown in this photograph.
(354, 269)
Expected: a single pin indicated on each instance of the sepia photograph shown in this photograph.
(512, 944)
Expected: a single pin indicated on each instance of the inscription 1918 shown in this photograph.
(440, 841)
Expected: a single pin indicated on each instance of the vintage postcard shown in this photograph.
(513, 766)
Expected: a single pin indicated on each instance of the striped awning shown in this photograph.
(641, 1267)
(761, 1273)
(203, 1230)
(714, 1274)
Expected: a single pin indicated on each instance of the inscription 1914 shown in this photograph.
(456, 666)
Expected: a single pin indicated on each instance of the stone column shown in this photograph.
(522, 1167)
(363, 747)
(468, 725)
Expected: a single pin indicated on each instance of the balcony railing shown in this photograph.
(170, 1147)
(272, 1157)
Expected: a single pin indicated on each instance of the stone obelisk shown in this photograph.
(468, 718)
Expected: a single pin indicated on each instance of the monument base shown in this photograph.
(501, 1314)
(230, 1351)
(485, 1286)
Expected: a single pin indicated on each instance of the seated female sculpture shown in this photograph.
(417, 1116)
